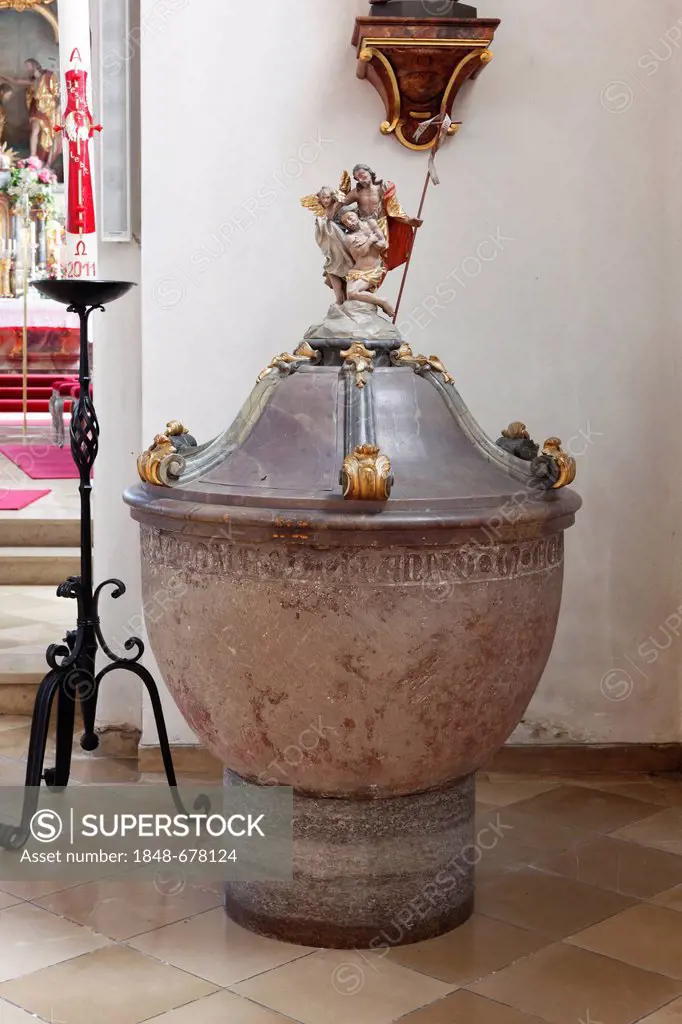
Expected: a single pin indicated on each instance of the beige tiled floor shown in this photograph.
(578, 921)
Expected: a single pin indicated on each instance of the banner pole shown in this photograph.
(409, 258)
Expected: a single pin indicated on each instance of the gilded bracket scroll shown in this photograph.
(285, 363)
(358, 359)
(162, 463)
(554, 468)
(405, 357)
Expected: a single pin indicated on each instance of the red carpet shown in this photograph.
(39, 391)
(32, 405)
(13, 501)
(41, 461)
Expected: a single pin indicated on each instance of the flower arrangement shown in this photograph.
(30, 185)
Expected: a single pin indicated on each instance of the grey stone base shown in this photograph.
(368, 873)
(354, 321)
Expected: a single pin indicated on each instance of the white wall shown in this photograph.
(118, 399)
(117, 359)
(573, 327)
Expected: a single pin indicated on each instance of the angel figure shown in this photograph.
(326, 204)
(366, 245)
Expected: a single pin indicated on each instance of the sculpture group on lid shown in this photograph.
(363, 233)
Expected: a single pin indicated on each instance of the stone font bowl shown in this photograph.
(370, 653)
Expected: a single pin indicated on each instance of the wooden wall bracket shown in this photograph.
(418, 65)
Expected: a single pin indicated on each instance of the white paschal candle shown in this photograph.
(77, 129)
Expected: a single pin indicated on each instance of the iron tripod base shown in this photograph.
(73, 677)
(73, 682)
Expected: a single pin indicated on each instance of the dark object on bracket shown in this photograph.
(73, 677)
(182, 439)
(422, 9)
(517, 441)
(545, 472)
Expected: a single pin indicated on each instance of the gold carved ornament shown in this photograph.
(39, 6)
(174, 428)
(366, 474)
(565, 462)
(162, 462)
(405, 357)
(371, 50)
(23, 5)
(516, 431)
(359, 360)
(367, 54)
(285, 363)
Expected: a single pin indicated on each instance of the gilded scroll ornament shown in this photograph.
(553, 468)
(368, 54)
(162, 462)
(305, 352)
(564, 462)
(153, 465)
(285, 363)
(359, 360)
(366, 474)
(405, 357)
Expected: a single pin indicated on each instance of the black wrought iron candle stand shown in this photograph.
(73, 677)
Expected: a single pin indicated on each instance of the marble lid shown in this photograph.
(288, 450)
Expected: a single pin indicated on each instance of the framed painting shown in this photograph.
(29, 80)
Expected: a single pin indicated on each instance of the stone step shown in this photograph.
(38, 566)
(26, 532)
(18, 691)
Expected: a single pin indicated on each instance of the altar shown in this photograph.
(52, 336)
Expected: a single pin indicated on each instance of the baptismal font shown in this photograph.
(394, 590)
(368, 586)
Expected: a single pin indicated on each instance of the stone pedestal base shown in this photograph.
(353, 321)
(368, 873)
